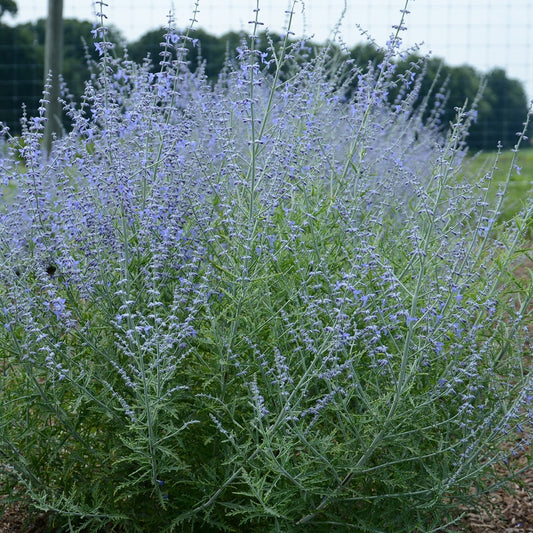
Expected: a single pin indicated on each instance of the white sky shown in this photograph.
(482, 33)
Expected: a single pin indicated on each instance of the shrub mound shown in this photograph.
(262, 305)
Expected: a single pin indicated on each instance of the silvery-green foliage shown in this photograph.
(271, 304)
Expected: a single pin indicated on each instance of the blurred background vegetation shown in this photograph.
(501, 111)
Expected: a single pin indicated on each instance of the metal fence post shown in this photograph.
(53, 62)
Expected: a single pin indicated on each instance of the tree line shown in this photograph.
(501, 111)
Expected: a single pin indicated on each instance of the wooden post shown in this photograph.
(53, 61)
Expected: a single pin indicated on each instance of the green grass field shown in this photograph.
(520, 185)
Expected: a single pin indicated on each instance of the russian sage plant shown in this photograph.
(271, 304)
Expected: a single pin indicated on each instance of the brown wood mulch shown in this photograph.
(506, 510)
(509, 512)
(17, 519)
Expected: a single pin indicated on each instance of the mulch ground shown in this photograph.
(17, 519)
(508, 510)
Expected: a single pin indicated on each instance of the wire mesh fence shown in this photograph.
(485, 34)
